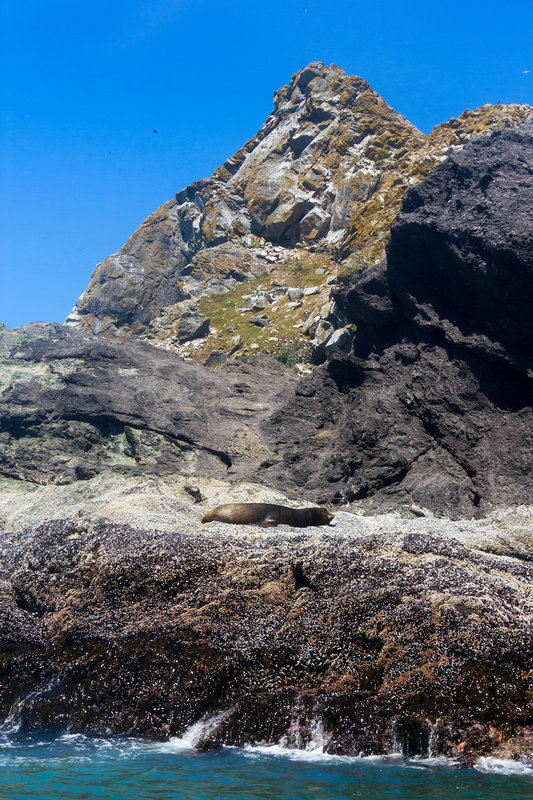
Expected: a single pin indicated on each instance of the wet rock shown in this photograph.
(143, 632)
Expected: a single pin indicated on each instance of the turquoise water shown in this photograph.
(75, 767)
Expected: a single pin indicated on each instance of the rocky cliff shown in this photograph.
(432, 407)
(327, 171)
(435, 401)
(74, 405)
(121, 613)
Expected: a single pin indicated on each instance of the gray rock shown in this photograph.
(428, 411)
(72, 406)
(192, 325)
(340, 340)
(434, 407)
(257, 302)
(311, 323)
(260, 321)
(322, 333)
(315, 224)
(215, 358)
(295, 294)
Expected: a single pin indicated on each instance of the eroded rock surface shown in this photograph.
(382, 636)
(132, 618)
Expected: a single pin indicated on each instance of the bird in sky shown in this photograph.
(155, 130)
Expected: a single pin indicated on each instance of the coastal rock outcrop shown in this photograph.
(386, 636)
(409, 632)
(433, 406)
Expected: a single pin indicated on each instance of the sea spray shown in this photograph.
(199, 731)
(14, 718)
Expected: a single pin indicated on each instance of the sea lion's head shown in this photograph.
(325, 516)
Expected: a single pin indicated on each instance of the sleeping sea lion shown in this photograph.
(268, 515)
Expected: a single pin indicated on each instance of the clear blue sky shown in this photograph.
(85, 82)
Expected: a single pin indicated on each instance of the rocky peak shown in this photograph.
(326, 172)
(302, 171)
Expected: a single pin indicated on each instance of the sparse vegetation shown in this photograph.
(292, 353)
(280, 337)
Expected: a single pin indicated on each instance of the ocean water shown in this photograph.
(53, 766)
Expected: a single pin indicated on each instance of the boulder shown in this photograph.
(295, 294)
(215, 358)
(192, 325)
(260, 320)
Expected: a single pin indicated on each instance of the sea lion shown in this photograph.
(268, 515)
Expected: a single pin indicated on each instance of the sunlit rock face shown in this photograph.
(328, 170)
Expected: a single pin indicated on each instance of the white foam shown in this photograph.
(292, 753)
(316, 753)
(504, 766)
(432, 761)
(12, 722)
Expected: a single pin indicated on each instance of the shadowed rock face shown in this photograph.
(435, 403)
(382, 639)
(460, 258)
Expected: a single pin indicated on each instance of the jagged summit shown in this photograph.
(326, 172)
